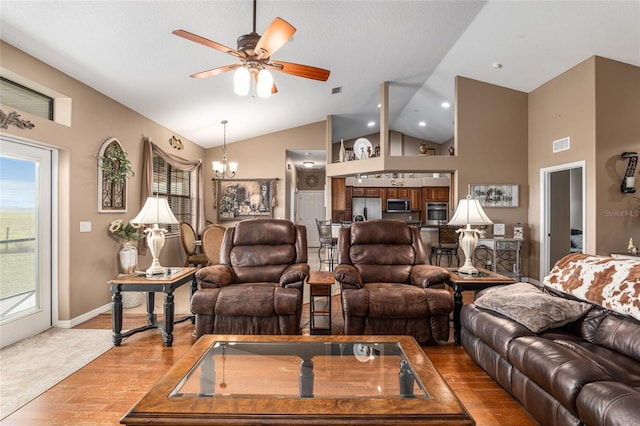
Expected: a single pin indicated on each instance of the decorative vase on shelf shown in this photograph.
(343, 152)
(128, 256)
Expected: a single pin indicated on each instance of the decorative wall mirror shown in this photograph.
(114, 169)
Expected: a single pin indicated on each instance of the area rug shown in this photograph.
(34, 365)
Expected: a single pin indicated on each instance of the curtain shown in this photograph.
(178, 163)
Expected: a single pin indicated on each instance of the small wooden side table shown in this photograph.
(320, 291)
(462, 282)
(158, 283)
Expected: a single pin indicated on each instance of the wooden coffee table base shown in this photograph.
(251, 380)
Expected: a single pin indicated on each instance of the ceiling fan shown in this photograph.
(254, 52)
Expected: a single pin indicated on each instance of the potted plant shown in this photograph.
(116, 167)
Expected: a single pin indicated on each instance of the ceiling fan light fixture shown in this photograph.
(241, 81)
(265, 83)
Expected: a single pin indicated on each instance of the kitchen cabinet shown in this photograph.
(415, 194)
(340, 200)
(396, 192)
(435, 194)
(363, 191)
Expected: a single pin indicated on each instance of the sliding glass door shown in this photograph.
(25, 240)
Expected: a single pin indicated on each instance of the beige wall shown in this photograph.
(597, 104)
(89, 260)
(491, 139)
(617, 215)
(265, 157)
(562, 107)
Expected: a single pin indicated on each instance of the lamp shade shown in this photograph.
(155, 210)
(469, 212)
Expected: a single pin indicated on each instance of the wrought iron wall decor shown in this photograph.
(13, 118)
(112, 195)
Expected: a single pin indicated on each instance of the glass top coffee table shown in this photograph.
(291, 380)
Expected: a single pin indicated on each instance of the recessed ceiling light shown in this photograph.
(422, 123)
(445, 105)
(496, 65)
(371, 123)
(379, 105)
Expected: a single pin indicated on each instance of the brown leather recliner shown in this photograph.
(387, 289)
(258, 287)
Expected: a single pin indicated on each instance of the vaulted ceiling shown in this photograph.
(125, 50)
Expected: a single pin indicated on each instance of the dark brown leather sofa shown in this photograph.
(584, 372)
(387, 289)
(257, 288)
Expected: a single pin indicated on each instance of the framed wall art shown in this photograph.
(495, 195)
(239, 199)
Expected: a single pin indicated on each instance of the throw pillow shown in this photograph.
(531, 307)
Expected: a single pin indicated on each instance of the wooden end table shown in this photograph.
(462, 282)
(319, 288)
(158, 283)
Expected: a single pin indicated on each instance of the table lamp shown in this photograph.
(155, 211)
(469, 212)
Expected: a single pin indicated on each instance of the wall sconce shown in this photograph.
(628, 180)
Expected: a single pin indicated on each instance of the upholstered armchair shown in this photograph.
(387, 289)
(257, 288)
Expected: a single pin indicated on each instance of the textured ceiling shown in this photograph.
(126, 51)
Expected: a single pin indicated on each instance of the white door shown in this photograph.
(25, 240)
(310, 206)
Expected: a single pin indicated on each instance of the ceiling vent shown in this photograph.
(336, 90)
(562, 144)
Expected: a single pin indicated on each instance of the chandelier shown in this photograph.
(224, 168)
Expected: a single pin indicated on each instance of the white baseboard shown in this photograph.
(82, 318)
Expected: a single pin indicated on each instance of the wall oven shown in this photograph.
(437, 213)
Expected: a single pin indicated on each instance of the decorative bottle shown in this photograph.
(343, 152)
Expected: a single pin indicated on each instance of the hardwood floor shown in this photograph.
(104, 390)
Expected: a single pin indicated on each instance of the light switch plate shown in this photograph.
(85, 226)
(498, 229)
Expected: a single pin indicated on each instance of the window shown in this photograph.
(18, 96)
(175, 185)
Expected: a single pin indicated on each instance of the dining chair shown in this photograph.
(188, 238)
(328, 243)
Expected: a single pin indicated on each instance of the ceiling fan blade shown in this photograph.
(305, 71)
(215, 71)
(209, 43)
(274, 37)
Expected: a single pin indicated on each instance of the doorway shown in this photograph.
(309, 207)
(562, 213)
(26, 188)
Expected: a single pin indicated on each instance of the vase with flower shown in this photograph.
(129, 234)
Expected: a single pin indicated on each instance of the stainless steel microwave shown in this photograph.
(398, 205)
